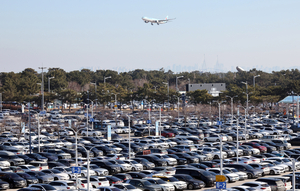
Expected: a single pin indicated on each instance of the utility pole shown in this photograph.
(42, 89)
(49, 78)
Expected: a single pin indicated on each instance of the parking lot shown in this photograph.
(157, 153)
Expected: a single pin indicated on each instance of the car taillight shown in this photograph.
(168, 172)
(114, 182)
(263, 188)
(246, 162)
(118, 158)
(213, 166)
(99, 183)
(68, 187)
(82, 185)
(284, 184)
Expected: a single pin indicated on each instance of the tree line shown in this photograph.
(82, 86)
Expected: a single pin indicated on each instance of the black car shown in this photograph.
(138, 175)
(189, 158)
(269, 147)
(295, 141)
(191, 182)
(106, 150)
(71, 152)
(26, 158)
(52, 164)
(208, 178)
(154, 159)
(211, 164)
(113, 180)
(147, 165)
(14, 180)
(113, 169)
(37, 157)
(123, 176)
(50, 156)
(200, 166)
(42, 177)
(29, 179)
(179, 160)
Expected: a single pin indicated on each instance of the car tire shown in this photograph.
(272, 172)
(249, 175)
(83, 134)
(205, 140)
(94, 134)
(190, 187)
(217, 140)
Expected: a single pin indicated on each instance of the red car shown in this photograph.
(262, 149)
(167, 134)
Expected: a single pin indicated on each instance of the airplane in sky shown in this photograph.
(157, 21)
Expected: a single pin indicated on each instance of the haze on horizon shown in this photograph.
(111, 35)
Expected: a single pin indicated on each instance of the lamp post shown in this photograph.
(49, 78)
(76, 154)
(246, 110)
(129, 138)
(231, 107)
(42, 89)
(254, 80)
(106, 78)
(167, 83)
(245, 130)
(115, 106)
(88, 166)
(93, 112)
(29, 126)
(177, 82)
(1, 102)
(237, 135)
(95, 84)
(221, 153)
(219, 103)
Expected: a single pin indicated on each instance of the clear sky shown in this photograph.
(102, 34)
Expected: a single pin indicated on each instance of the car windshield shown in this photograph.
(160, 181)
(41, 173)
(48, 187)
(120, 162)
(69, 169)
(134, 162)
(226, 172)
(234, 170)
(55, 171)
(147, 183)
(24, 175)
(129, 186)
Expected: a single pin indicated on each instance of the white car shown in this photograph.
(262, 186)
(286, 161)
(57, 175)
(215, 138)
(91, 133)
(166, 186)
(99, 181)
(27, 168)
(98, 170)
(67, 170)
(276, 163)
(63, 185)
(242, 175)
(135, 166)
(232, 177)
(82, 183)
(84, 172)
(126, 186)
(179, 185)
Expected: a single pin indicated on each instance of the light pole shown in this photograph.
(106, 78)
(76, 154)
(160, 121)
(177, 82)
(245, 130)
(129, 138)
(88, 165)
(115, 106)
(231, 107)
(93, 112)
(42, 90)
(49, 78)
(246, 110)
(254, 80)
(1, 102)
(221, 153)
(219, 103)
(178, 108)
(95, 84)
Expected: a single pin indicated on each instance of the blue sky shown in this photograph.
(111, 35)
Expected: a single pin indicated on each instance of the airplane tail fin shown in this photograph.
(167, 17)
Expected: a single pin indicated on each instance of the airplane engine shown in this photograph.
(146, 21)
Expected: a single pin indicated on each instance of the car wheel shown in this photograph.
(83, 134)
(272, 172)
(205, 140)
(55, 178)
(190, 186)
(167, 136)
(249, 176)
(94, 134)
(217, 140)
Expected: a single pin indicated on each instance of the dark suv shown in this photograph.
(113, 169)
(208, 178)
(157, 161)
(14, 180)
(251, 172)
(275, 183)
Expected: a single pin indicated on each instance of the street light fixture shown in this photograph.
(49, 78)
(177, 82)
(246, 110)
(106, 78)
(254, 80)
(231, 97)
(95, 84)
